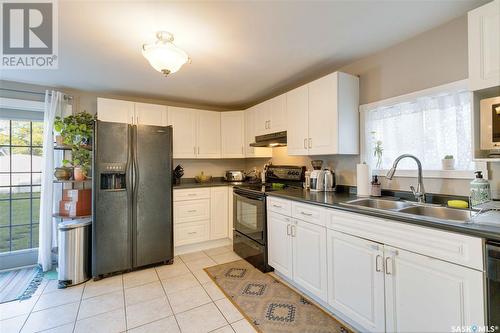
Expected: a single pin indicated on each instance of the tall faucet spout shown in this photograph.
(419, 193)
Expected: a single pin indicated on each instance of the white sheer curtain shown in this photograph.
(53, 105)
(428, 127)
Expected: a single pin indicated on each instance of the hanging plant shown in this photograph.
(77, 131)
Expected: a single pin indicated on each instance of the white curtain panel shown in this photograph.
(53, 105)
(428, 127)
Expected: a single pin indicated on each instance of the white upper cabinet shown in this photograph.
(183, 121)
(298, 119)
(233, 134)
(208, 136)
(484, 46)
(356, 279)
(250, 132)
(445, 294)
(329, 124)
(151, 114)
(271, 116)
(116, 111)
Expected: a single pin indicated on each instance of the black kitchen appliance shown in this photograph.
(493, 283)
(132, 198)
(249, 210)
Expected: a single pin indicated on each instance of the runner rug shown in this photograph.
(269, 305)
(19, 283)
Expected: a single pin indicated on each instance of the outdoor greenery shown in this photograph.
(76, 131)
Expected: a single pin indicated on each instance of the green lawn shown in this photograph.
(21, 234)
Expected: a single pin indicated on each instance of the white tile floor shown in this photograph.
(171, 298)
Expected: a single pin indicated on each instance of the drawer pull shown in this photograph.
(191, 194)
(277, 206)
(192, 211)
(192, 233)
(306, 214)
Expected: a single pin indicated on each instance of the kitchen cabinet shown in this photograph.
(118, 111)
(309, 257)
(428, 295)
(356, 279)
(208, 135)
(250, 133)
(196, 133)
(298, 113)
(329, 124)
(115, 111)
(183, 121)
(484, 46)
(271, 116)
(230, 211)
(279, 243)
(151, 114)
(219, 212)
(233, 134)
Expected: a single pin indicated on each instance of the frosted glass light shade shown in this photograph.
(163, 55)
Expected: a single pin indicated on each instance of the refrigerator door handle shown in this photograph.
(136, 163)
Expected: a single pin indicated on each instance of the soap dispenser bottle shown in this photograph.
(479, 190)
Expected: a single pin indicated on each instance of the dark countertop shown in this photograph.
(336, 200)
(191, 183)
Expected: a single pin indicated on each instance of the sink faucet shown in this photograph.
(419, 193)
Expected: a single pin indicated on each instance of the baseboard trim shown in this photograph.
(183, 249)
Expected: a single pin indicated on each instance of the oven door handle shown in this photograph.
(249, 196)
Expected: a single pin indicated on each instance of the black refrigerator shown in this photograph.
(132, 197)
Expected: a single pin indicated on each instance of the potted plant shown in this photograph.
(378, 150)
(448, 162)
(76, 132)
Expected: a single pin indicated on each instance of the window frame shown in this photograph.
(446, 88)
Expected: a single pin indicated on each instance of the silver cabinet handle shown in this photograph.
(305, 143)
(269, 124)
(198, 150)
(192, 211)
(191, 194)
(288, 227)
(310, 143)
(194, 150)
(294, 231)
(388, 266)
(277, 206)
(306, 214)
(379, 263)
(192, 233)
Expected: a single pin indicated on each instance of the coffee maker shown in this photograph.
(317, 177)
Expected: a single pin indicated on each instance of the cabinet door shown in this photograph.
(233, 134)
(424, 294)
(183, 121)
(209, 143)
(262, 118)
(250, 115)
(298, 118)
(484, 46)
(151, 114)
(230, 211)
(279, 243)
(309, 257)
(356, 279)
(323, 117)
(115, 111)
(278, 120)
(218, 213)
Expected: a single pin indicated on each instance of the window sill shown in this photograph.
(447, 174)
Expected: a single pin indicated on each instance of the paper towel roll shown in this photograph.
(363, 179)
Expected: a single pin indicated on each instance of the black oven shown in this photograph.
(250, 227)
(493, 283)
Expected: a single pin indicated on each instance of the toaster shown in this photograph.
(234, 176)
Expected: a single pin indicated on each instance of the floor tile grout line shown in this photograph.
(31, 310)
(125, 303)
(168, 300)
(79, 305)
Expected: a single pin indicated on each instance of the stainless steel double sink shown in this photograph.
(422, 210)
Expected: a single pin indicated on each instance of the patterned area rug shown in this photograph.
(20, 283)
(271, 306)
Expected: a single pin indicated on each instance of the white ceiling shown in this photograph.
(242, 52)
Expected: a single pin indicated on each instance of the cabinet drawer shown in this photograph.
(192, 232)
(279, 206)
(309, 213)
(453, 247)
(192, 193)
(191, 210)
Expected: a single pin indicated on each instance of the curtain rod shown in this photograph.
(34, 92)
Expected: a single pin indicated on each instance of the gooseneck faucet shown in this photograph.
(419, 193)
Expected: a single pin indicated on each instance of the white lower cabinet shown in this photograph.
(362, 277)
(423, 294)
(356, 279)
(219, 212)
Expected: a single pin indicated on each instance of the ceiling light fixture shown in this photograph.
(163, 55)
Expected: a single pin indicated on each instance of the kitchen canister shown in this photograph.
(363, 179)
